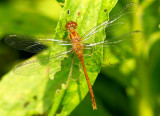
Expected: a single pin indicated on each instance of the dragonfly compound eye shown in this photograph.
(74, 24)
(71, 24)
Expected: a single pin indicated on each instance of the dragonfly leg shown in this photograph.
(66, 38)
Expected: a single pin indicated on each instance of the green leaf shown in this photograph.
(37, 94)
(91, 14)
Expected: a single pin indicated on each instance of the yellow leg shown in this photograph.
(66, 38)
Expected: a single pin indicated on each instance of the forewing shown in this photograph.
(117, 20)
(31, 44)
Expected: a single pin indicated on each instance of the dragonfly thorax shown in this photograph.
(71, 24)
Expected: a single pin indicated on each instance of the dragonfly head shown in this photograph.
(71, 24)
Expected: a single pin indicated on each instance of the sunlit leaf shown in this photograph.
(36, 94)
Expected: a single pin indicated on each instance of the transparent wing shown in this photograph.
(119, 48)
(134, 36)
(117, 19)
(37, 66)
(31, 44)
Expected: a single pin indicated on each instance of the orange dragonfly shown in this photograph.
(77, 44)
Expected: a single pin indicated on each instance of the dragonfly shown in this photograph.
(77, 43)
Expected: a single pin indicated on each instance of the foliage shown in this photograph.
(128, 87)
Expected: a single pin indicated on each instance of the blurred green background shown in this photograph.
(131, 89)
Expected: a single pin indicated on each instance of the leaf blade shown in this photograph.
(76, 91)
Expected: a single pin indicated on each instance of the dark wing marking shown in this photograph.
(31, 44)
